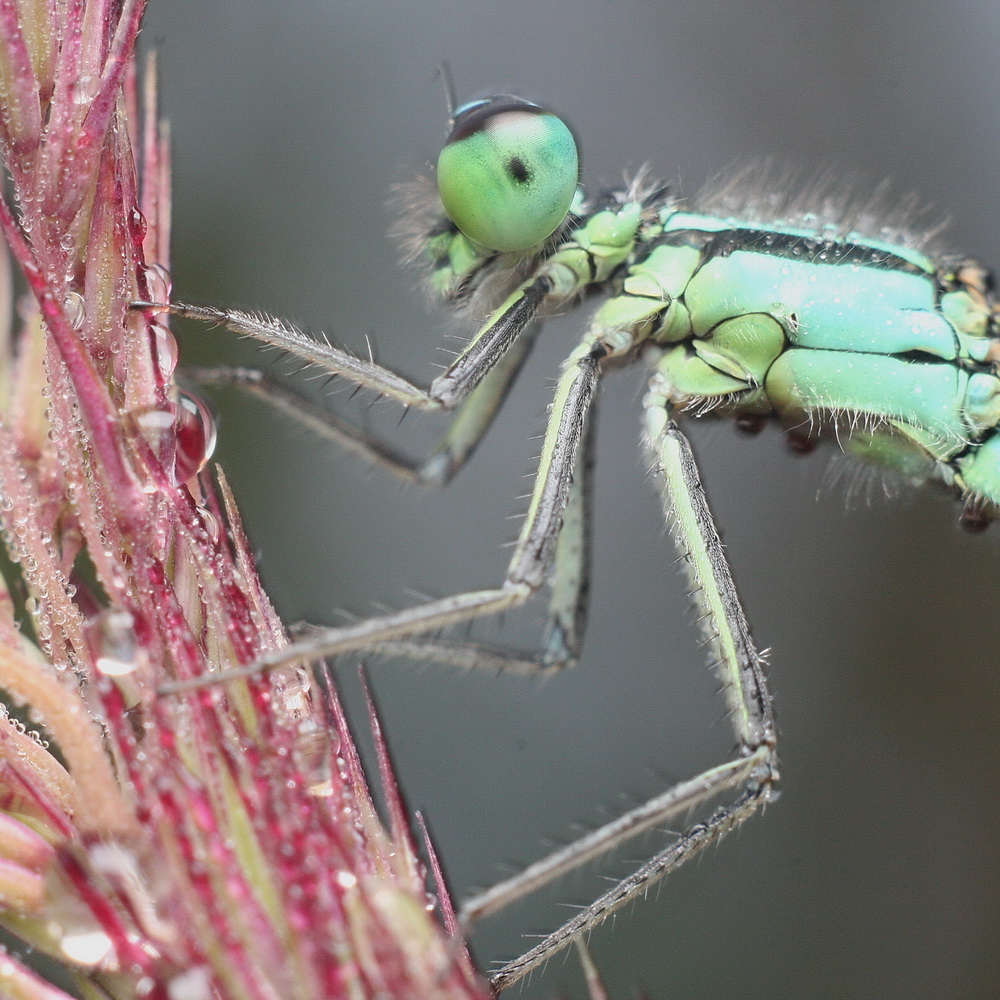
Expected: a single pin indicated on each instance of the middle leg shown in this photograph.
(529, 566)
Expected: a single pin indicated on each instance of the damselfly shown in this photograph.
(818, 313)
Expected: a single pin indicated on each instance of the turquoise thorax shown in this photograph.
(894, 349)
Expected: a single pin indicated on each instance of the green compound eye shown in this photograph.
(507, 173)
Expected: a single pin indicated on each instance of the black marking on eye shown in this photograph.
(481, 115)
(517, 169)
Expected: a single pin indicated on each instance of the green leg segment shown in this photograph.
(533, 556)
(748, 777)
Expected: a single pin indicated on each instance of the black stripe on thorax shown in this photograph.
(787, 246)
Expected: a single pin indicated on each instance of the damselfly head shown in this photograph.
(508, 172)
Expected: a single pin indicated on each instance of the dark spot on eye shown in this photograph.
(517, 169)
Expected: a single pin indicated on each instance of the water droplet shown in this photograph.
(116, 646)
(86, 89)
(154, 425)
(315, 746)
(191, 984)
(211, 523)
(165, 346)
(346, 880)
(158, 282)
(75, 309)
(196, 436)
(88, 948)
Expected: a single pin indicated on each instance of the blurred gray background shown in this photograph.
(878, 872)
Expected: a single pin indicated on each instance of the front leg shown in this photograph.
(453, 385)
(471, 419)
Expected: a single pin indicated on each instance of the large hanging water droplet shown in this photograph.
(196, 436)
(165, 348)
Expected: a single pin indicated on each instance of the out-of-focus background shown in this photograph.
(878, 872)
